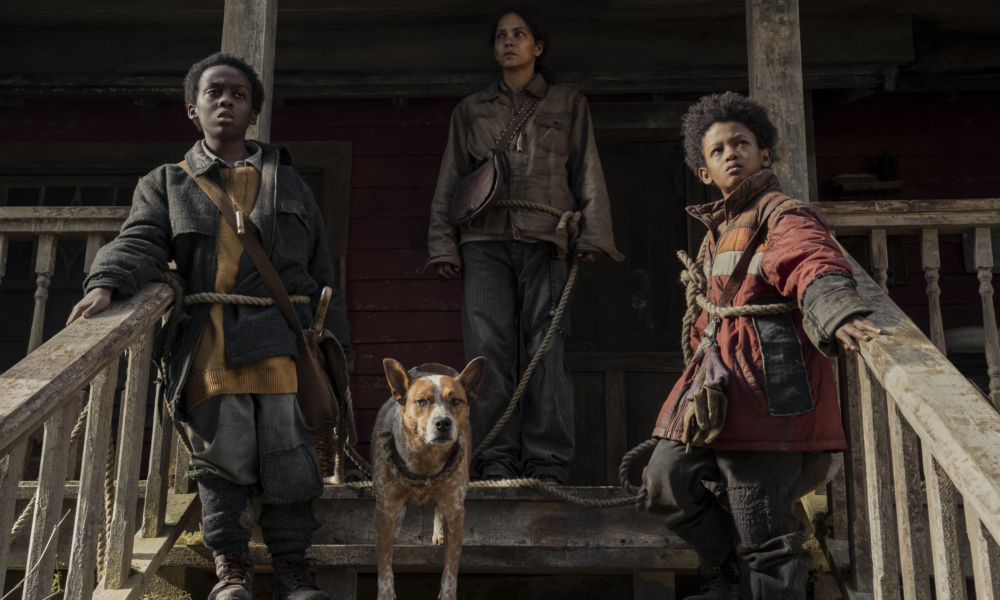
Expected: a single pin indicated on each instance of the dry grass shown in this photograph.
(178, 596)
(190, 538)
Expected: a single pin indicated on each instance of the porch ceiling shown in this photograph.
(437, 47)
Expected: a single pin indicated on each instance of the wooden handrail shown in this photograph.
(911, 216)
(34, 389)
(954, 422)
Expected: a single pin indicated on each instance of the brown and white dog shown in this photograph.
(421, 449)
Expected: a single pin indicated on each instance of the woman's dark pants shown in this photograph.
(509, 293)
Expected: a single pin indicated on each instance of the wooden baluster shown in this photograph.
(878, 472)
(4, 248)
(48, 503)
(616, 429)
(182, 461)
(984, 268)
(10, 477)
(942, 512)
(155, 506)
(90, 504)
(880, 258)
(121, 533)
(985, 556)
(909, 506)
(94, 243)
(858, 527)
(45, 264)
(930, 256)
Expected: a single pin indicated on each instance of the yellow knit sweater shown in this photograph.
(210, 376)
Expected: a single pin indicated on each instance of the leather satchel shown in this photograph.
(320, 367)
(476, 191)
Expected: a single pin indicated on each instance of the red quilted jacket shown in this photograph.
(781, 394)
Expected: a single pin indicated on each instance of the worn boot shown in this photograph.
(726, 584)
(235, 571)
(292, 580)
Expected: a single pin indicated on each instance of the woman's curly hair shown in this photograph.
(722, 108)
(220, 59)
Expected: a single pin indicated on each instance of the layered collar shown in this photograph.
(255, 158)
(714, 214)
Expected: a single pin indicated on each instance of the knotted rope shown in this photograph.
(696, 285)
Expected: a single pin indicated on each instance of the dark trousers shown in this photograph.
(249, 445)
(761, 489)
(511, 289)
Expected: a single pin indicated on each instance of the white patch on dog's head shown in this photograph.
(441, 413)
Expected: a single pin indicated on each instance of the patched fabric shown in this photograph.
(752, 514)
(828, 300)
(786, 380)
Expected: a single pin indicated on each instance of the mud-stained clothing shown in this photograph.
(752, 514)
(254, 445)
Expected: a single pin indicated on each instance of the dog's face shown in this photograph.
(434, 398)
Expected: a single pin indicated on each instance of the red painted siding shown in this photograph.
(396, 312)
(945, 150)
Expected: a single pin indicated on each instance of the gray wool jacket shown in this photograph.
(173, 219)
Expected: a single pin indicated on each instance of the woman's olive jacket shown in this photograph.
(552, 160)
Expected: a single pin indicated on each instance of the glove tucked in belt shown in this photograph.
(706, 412)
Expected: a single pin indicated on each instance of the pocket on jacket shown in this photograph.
(553, 132)
(293, 232)
(290, 475)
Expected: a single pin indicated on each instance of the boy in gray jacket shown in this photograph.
(231, 378)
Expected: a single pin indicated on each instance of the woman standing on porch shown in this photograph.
(514, 264)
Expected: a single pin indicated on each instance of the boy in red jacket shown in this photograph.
(759, 393)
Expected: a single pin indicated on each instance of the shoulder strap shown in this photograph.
(774, 200)
(515, 124)
(253, 248)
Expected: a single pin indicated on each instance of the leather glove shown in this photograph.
(706, 412)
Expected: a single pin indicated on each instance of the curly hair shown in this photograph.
(722, 108)
(220, 59)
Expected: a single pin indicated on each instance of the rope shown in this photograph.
(29, 510)
(568, 229)
(693, 278)
(569, 225)
(109, 499)
(217, 298)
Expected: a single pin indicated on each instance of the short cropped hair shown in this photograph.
(723, 108)
(221, 59)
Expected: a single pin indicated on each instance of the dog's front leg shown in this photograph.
(385, 537)
(453, 515)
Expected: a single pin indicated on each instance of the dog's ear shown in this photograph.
(399, 379)
(472, 376)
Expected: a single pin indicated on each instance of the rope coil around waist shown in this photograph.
(696, 285)
(217, 298)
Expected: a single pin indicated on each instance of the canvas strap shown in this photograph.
(249, 240)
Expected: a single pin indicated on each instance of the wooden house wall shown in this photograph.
(941, 141)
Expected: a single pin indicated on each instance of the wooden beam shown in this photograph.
(35, 388)
(248, 30)
(774, 48)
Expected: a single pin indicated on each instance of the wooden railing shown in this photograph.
(48, 225)
(927, 219)
(924, 443)
(42, 389)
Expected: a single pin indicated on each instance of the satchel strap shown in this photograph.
(515, 124)
(773, 200)
(260, 260)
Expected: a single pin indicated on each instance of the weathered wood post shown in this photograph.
(774, 50)
(248, 30)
